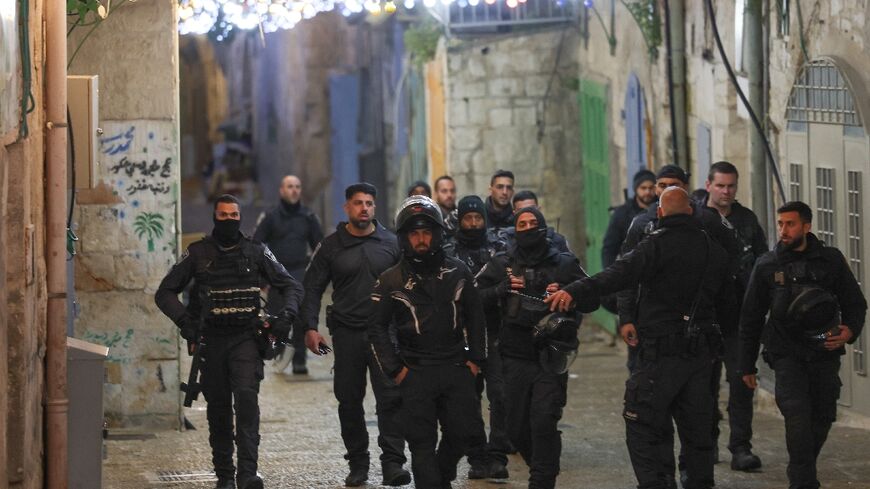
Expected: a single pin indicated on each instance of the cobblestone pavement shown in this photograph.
(301, 446)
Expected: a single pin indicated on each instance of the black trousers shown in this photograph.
(353, 358)
(806, 394)
(297, 336)
(231, 373)
(662, 388)
(739, 399)
(534, 400)
(433, 395)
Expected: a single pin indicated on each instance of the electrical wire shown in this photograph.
(28, 103)
(71, 237)
(771, 160)
(670, 68)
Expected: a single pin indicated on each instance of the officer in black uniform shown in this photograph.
(229, 270)
(521, 200)
(352, 258)
(290, 229)
(721, 192)
(815, 307)
(517, 282)
(681, 272)
(432, 306)
(475, 245)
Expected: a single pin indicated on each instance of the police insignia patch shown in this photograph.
(269, 255)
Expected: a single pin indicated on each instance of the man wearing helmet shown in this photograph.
(427, 333)
(815, 307)
(517, 282)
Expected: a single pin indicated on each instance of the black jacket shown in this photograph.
(352, 264)
(770, 290)
(617, 229)
(290, 231)
(672, 264)
(434, 316)
(475, 259)
(497, 219)
(710, 221)
(520, 315)
(509, 236)
(193, 266)
(750, 239)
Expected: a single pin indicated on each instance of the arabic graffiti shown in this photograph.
(142, 184)
(143, 167)
(119, 143)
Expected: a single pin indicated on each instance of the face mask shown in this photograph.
(471, 236)
(227, 231)
(531, 238)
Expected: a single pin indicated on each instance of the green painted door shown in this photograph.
(594, 141)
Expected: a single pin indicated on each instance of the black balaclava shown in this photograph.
(532, 245)
(430, 261)
(471, 238)
(226, 232)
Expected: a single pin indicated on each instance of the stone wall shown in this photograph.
(127, 226)
(22, 285)
(509, 106)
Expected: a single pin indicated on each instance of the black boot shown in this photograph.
(478, 471)
(745, 460)
(225, 483)
(357, 477)
(496, 470)
(254, 482)
(395, 475)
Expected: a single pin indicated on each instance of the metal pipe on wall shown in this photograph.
(753, 49)
(57, 403)
(678, 57)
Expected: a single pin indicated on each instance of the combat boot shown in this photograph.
(496, 470)
(745, 460)
(357, 477)
(395, 475)
(254, 482)
(478, 471)
(225, 483)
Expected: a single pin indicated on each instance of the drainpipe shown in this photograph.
(753, 49)
(676, 46)
(57, 403)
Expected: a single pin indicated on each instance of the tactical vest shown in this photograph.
(793, 282)
(528, 304)
(231, 289)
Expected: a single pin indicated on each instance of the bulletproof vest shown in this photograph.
(231, 289)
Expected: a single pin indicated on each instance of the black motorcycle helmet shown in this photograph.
(556, 338)
(418, 212)
(815, 315)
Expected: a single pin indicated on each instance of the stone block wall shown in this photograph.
(128, 226)
(510, 106)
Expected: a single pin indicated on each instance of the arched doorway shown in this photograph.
(827, 162)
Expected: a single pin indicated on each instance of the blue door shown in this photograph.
(635, 129)
(344, 110)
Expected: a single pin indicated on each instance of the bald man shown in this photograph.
(683, 275)
(291, 231)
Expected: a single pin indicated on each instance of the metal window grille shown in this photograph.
(822, 95)
(483, 16)
(856, 254)
(795, 181)
(825, 205)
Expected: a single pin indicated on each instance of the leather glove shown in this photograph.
(281, 328)
(189, 329)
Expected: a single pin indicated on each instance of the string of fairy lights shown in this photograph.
(220, 17)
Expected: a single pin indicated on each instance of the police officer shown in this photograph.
(290, 229)
(352, 258)
(815, 307)
(517, 282)
(645, 223)
(474, 245)
(499, 213)
(445, 197)
(681, 272)
(721, 189)
(521, 200)
(229, 270)
(439, 343)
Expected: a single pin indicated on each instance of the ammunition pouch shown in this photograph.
(230, 290)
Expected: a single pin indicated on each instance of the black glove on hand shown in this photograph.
(189, 329)
(281, 328)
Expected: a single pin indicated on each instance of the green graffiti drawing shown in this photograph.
(151, 224)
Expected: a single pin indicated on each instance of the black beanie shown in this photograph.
(673, 171)
(542, 223)
(471, 203)
(643, 176)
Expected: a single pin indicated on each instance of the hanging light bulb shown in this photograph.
(390, 7)
(409, 4)
(474, 3)
(429, 3)
(489, 2)
(512, 3)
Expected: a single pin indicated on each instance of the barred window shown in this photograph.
(856, 253)
(821, 94)
(825, 206)
(795, 181)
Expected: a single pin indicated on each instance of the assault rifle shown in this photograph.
(192, 387)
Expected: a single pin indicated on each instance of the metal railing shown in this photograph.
(480, 16)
